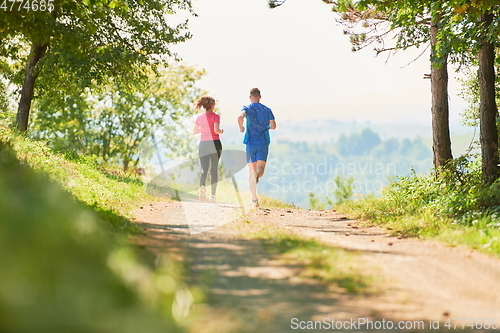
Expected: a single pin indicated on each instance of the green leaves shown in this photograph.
(409, 21)
(110, 123)
(93, 42)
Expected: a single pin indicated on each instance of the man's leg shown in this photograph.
(252, 179)
(260, 168)
(261, 158)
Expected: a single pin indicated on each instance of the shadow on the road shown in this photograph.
(266, 295)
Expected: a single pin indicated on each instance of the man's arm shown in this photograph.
(241, 117)
(272, 124)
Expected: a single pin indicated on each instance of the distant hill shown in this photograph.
(328, 129)
(306, 155)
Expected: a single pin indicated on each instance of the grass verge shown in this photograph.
(111, 195)
(406, 214)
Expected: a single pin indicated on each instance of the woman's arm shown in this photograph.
(196, 129)
(217, 128)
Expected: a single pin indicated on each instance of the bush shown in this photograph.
(454, 205)
(457, 192)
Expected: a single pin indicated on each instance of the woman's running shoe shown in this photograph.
(202, 194)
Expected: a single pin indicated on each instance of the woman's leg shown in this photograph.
(204, 162)
(214, 167)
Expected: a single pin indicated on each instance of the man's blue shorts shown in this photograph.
(257, 152)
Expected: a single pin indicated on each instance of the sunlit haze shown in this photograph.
(299, 57)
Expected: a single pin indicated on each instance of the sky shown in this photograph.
(299, 57)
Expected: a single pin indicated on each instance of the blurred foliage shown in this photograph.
(369, 143)
(470, 91)
(86, 46)
(357, 144)
(401, 24)
(342, 192)
(91, 41)
(111, 122)
(4, 103)
(458, 193)
(64, 271)
(296, 169)
(344, 189)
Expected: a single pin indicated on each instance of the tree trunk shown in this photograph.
(441, 142)
(487, 107)
(32, 71)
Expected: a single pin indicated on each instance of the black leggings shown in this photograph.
(209, 153)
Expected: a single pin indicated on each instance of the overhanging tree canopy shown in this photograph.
(88, 41)
(110, 123)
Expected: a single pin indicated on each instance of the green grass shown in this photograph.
(64, 267)
(112, 195)
(268, 202)
(456, 209)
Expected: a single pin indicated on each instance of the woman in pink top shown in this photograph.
(210, 148)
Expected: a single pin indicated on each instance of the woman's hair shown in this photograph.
(206, 102)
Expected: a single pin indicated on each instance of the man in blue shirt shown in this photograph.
(260, 120)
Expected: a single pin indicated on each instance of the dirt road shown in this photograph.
(425, 284)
